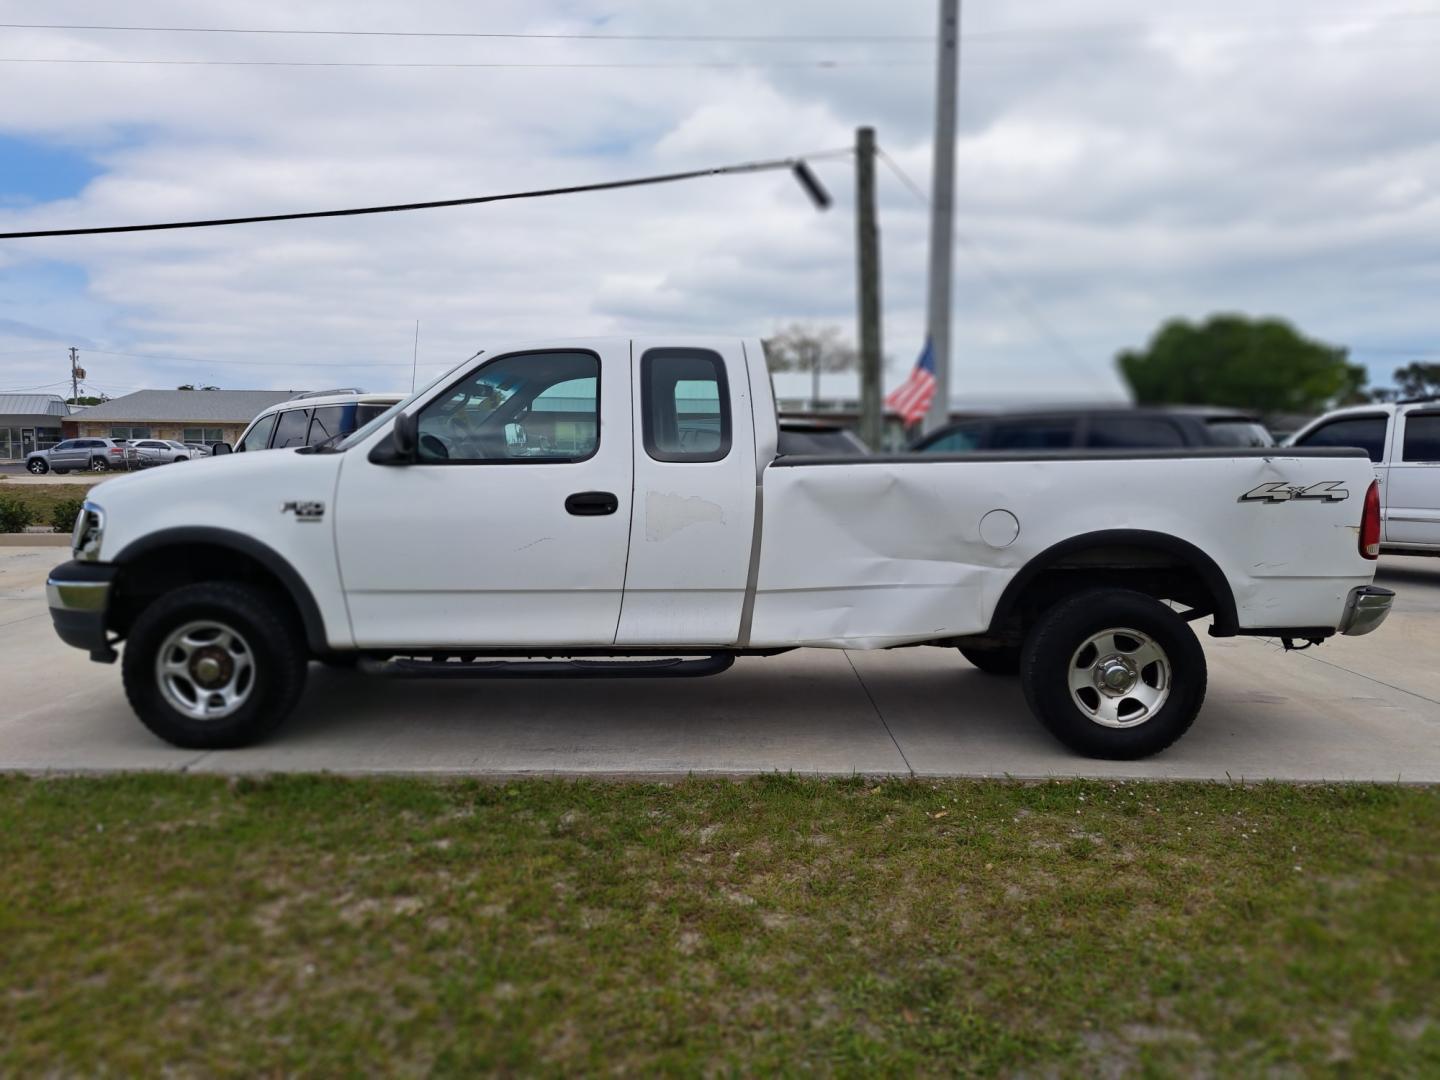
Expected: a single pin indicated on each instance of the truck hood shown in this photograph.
(251, 493)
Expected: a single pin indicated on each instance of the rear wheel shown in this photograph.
(38, 466)
(99, 464)
(993, 659)
(1114, 674)
(212, 666)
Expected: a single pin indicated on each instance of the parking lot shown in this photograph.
(1356, 708)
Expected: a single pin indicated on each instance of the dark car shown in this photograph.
(810, 437)
(1090, 428)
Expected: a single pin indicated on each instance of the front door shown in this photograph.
(512, 527)
(27, 441)
(1412, 498)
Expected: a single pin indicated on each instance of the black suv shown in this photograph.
(1098, 428)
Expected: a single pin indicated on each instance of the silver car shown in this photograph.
(95, 455)
(161, 451)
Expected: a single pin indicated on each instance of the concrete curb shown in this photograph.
(9, 540)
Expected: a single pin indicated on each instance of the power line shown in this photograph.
(495, 35)
(1017, 295)
(717, 65)
(795, 164)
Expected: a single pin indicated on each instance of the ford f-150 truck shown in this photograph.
(618, 508)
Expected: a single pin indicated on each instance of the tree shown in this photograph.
(1264, 365)
(1418, 380)
(799, 347)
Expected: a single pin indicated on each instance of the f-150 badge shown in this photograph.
(304, 511)
(1325, 491)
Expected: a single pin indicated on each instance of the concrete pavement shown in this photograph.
(1354, 709)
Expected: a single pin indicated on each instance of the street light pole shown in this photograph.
(867, 247)
(942, 205)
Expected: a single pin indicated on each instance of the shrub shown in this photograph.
(15, 516)
(64, 513)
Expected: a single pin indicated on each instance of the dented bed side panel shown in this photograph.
(888, 552)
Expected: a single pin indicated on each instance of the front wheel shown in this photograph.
(1113, 674)
(38, 466)
(213, 666)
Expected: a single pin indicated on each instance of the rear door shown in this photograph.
(1412, 502)
(511, 527)
(692, 522)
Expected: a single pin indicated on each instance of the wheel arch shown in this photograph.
(191, 543)
(1105, 553)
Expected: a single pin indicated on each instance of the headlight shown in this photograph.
(88, 532)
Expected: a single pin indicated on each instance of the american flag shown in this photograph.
(911, 399)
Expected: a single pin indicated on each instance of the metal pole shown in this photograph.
(867, 247)
(942, 204)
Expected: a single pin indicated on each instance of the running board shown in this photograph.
(669, 667)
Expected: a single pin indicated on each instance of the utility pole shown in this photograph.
(74, 375)
(867, 247)
(942, 206)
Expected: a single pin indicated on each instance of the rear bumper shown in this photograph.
(79, 597)
(1365, 609)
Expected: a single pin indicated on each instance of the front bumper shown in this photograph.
(1365, 609)
(79, 596)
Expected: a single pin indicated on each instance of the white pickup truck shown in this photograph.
(618, 508)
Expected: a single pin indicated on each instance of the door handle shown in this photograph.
(592, 503)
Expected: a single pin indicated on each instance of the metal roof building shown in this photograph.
(29, 422)
(186, 415)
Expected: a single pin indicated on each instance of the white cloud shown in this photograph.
(1276, 157)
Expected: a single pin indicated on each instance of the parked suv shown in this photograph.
(97, 455)
(312, 419)
(1403, 440)
(1099, 428)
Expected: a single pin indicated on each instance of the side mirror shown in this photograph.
(406, 436)
(216, 449)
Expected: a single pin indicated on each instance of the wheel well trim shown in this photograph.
(266, 556)
(1226, 618)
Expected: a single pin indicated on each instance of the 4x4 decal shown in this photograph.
(1325, 491)
(304, 510)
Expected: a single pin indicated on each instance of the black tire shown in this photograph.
(177, 460)
(274, 643)
(99, 464)
(1053, 650)
(993, 659)
(62, 472)
(38, 466)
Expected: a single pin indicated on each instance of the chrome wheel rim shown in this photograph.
(1120, 678)
(205, 670)
(37, 467)
(98, 466)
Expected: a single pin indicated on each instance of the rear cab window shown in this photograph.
(1422, 437)
(685, 405)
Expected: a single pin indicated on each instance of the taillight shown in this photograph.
(1370, 523)
(116, 450)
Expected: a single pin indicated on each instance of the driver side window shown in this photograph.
(541, 407)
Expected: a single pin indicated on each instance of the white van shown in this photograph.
(1403, 440)
(314, 418)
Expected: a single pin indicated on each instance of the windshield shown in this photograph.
(363, 432)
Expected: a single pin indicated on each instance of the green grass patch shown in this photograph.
(43, 500)
(333, 926)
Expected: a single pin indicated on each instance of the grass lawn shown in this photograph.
(333, 926)
(43, 498)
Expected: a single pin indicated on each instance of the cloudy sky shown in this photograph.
(1120, 162)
